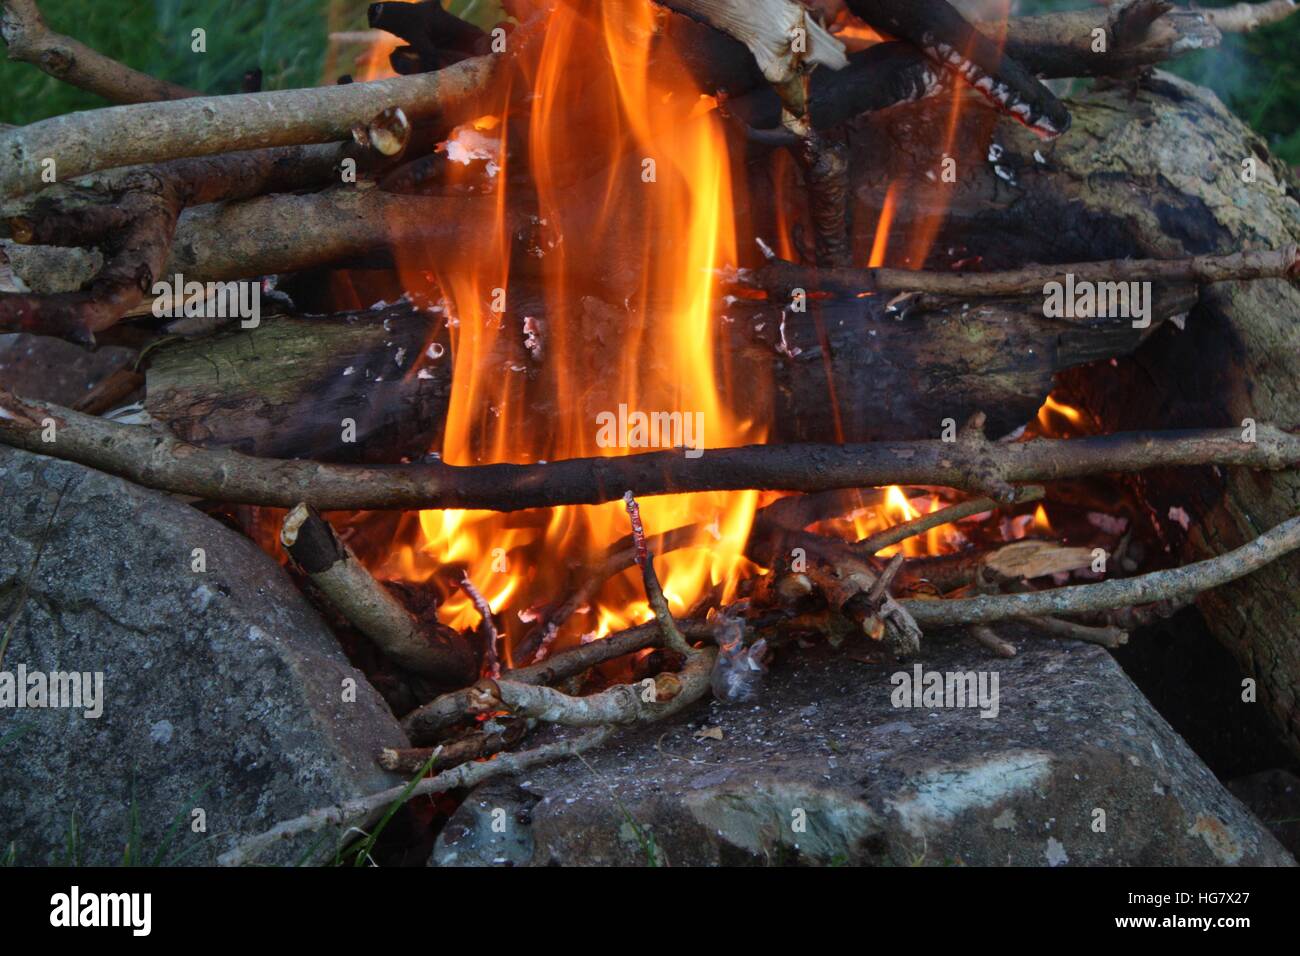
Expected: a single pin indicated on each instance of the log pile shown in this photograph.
(866, 373)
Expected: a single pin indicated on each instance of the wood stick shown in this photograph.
(158, 461)
(673, 638)
(425, 722)
(987, 637)
(30, 40)
(620, 704)
(473, 746)
(874, 544)
(1123, 592)
(1109, 636)
(87, 141)
(443, 654)
(1137, 35)
(362, 811)
(132, 215)
(780, 277)
(1247, 17)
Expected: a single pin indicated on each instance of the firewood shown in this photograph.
(131, 216)
(426, 722)
(949, 41)
(202, 126)
(779, 277)
(342, 388)
(158, 461)
(30, 40)
(1173, 584)
(425, 648)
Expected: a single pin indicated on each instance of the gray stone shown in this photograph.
(222, 689)
(823, 769)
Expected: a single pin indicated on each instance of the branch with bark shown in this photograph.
(363, 811)
(423, 647)
(85, 142)
(781, 278)
(426, 722)
(157, 460)
(1248, 17)
(30, 40)
(1171, 585)
(131, 216)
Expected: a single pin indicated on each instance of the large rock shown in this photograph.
(222, 689)
(1075, 768)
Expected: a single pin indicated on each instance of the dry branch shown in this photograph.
(156, 460)
(620, 704)
(364, 810)
(1138, 35)
(1246, 17)
(84, 142)
(780, 278)
(1168, 585)
(769, 28)
(430, 649)
(472, 746)
(131, 215)
(427, 721)
(1108, 636)
(877, 542)
(30, 40)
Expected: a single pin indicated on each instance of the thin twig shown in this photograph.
(780, 278)
(1124, 592)
(363, 810)
(874, 544)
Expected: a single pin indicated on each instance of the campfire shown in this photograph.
(600, 361)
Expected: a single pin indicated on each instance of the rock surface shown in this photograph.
(222, 689)
(824, 769)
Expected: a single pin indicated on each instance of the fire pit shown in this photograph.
(627, 355)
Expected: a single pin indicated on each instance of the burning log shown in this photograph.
(436, 38)
(949, 41)
(426, 648)
(30, 40)
(359, 387)
(169, 464)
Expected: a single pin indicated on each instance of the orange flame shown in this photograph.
(667, 173)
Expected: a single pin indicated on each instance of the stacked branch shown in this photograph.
(30, 40)
(156, 460)
(422, 647)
